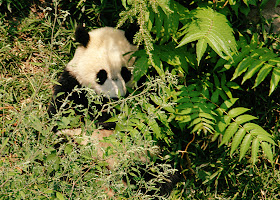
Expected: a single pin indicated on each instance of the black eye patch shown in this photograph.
(126, 74)
(101, 77)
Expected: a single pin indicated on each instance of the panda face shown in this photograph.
(112, 85)
(101, 61)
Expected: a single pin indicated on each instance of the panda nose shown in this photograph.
(115, 78)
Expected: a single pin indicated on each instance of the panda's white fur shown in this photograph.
(105, 50)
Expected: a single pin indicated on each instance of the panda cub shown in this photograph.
(103, 63)
(98, 63)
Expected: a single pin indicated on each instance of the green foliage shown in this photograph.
(160, 17)
(209, 28)
(140, 117)
(254, 59)
(190, 103)
(196, 110)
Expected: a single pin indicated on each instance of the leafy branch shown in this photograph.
(256, 59)
(199, 113)
(208, 27)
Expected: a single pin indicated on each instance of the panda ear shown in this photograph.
(81, 35)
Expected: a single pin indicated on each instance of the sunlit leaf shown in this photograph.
(267, 150)
(245, 145)
(255, 150)
(237, 139)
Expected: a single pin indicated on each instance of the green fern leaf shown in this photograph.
(226, 105)
(245, 145)
(232, 128)
(262, 74)
(252, 126)
(244, 118)
(223, 124)
(275, 78)
(252, 59)
(192, 109)
(267, 150)
(255, 66)
(264, 138)
(237, 111)
(243, 134)
(212, 28)
(242, 67)
(200, 49)
(237, 139)
(255, 150)
(141, 65)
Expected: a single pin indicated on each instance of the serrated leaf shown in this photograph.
(275, 77)
(223, 124)
(268, 151)
(226, 105)
(211, 27)
(231, 129)
(237, 111)
(242, 67)
(233, 85)
(206, 115)
(240, 56)
(245, 145)
(256, 130)
(216, 81)
(244, 118)
(200, 49)
(56, 83)
(262, 74)
(141, 67)
(266, 138)
(215, 96)
(250, 126)
(214, 43)
(197, 128)
(237, 139)
(255, 66)
(227, 91)
(255, 150)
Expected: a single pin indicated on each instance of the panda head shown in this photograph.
(102, 61)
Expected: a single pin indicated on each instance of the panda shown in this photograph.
(102, 62)
(98, 63)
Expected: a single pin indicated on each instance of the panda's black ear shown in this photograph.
(81, 35)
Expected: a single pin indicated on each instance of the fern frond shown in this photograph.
(236, 126)
(194, 110)
(255, 60)
(209, 28)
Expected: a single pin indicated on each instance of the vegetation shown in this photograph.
(209, 99)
